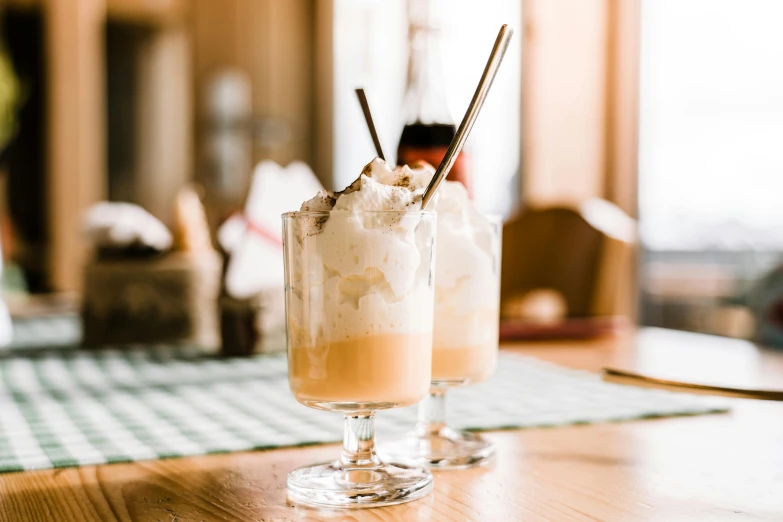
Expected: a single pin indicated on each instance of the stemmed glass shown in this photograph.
(359, 308)
(465, 342)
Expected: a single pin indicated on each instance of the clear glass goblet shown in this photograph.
(465, 342)
(359, 308)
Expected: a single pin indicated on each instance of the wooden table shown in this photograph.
(710, 467)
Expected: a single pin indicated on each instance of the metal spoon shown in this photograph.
(455, 147)
(645, 381)
(370, 125)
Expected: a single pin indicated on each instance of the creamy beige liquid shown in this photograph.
(457, 360)
(465, 363)
(390, 370)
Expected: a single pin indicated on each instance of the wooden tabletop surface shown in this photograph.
(710, 467)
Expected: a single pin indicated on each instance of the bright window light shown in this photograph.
(711, 134)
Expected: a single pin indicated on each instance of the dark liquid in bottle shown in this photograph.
(419, 135)
(429, 142)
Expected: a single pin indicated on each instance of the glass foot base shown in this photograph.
(443, 450)
(332, 485)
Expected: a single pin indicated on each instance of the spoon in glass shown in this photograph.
(455, 147)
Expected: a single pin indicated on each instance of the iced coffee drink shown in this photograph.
(465, 340)
(467, 290)
(359, 300)
(360, 309)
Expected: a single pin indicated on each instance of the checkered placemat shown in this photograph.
(71, 408)
(45, 332)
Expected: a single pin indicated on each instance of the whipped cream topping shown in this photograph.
(363, 274)
(467, 282)
(379, 187)
(373, 278)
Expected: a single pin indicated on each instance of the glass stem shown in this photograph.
(432, 412)
(359, 441)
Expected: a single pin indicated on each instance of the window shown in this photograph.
(710, 159)
(711, 136)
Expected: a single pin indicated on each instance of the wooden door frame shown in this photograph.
(76, 127)
(621, 153)
(580, 90)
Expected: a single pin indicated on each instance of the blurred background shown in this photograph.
(606, 114)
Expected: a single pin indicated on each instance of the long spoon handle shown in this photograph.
(370, 125)
(645, 381)
(455, 147)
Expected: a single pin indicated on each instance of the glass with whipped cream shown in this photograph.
(465, 335)
(359, 303)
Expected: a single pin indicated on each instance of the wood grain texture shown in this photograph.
(713, 467)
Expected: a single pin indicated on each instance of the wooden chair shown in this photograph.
(582, 252)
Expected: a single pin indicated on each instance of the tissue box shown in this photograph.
(170, 299)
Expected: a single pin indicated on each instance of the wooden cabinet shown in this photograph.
(126, 120)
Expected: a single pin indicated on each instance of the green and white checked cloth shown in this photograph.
(46, 332)
(71, 407)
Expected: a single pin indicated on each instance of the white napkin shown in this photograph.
(254, 239)
(110, 224)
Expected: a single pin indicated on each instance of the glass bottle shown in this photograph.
(429, 125)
